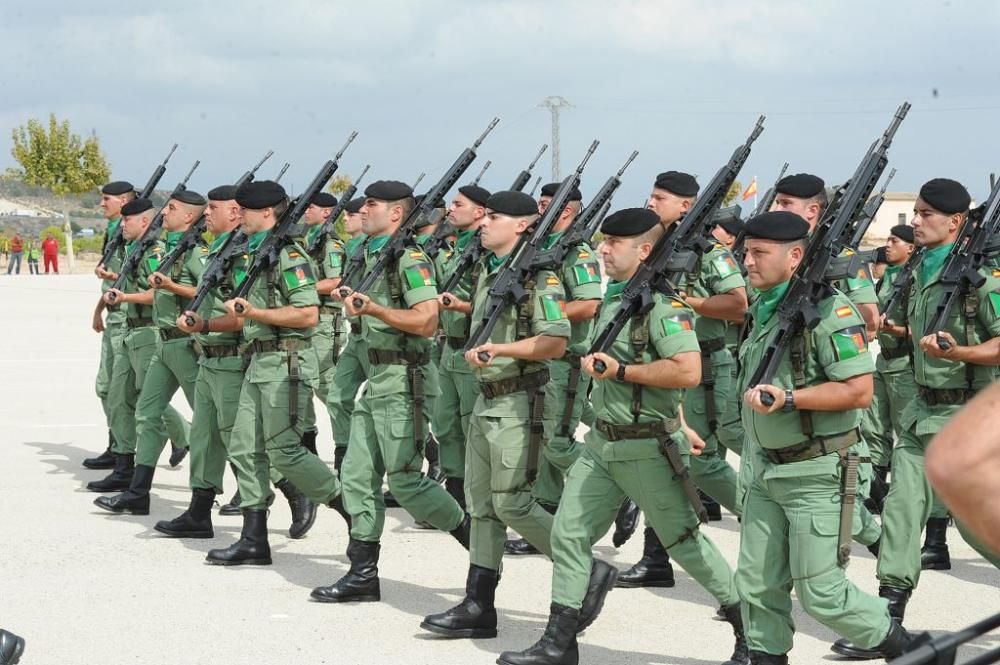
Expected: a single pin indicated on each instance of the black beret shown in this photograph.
(354, 205)
(947, 196)
(800, 185)
(260, 194)
(388, 190)
(475, 193)
(189, 197)
(629, 222)
(676, 182)
(732, 226)
(324, 200)
(551, 188)
(903, 232)
(513, 204)
(136, 206)
(117, 188)
(222, 193)
(779, 225)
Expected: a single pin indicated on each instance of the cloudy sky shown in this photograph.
(680, 81)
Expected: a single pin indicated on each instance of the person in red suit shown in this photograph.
(50, 253)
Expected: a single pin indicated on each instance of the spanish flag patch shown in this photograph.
(552, 281)
(294, 255)
(844, 312)
(416, 255)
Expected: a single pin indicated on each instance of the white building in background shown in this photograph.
(897, 208)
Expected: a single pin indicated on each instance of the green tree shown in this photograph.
(56, 158)
(734, 192)
(337, 186)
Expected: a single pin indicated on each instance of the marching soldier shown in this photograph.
(398, 316)
(798, 513)
(513, 415)
(635, 449)
(946, 378)
(279, 318)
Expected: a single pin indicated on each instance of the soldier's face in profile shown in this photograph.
(254, 221)
(770, 262)
(897, 250)
(726, 238)
(622, 255)
(134, 225)
(375, 217)
(315, 215)
(352, 222)
(462, 212)
(931, 227)
(807, 209)
(500, 231)
(668, 206)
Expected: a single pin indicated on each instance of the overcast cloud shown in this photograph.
(681, 81)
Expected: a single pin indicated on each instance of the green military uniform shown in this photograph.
(327, 339)
(383, 439)
(351, 369)
(434, 364)
(792, 510)
(459, 389)
(622, 457)
(114, 328)
(139, 345)
(275, 408)
(504, 441)
(175, 363)
(943, 387)
(580, 275)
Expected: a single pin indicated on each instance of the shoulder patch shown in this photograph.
(725, 265)
(419, 275)
(553, 306)
(678, 323)
(849, 342)
(416, 255)
(584, 254)
(995, 301)
(335, 259)
(587, 273)
(204, 250)
(844, 311)
(552, 281)
(677, 304)
(298, 276)
(294, 255)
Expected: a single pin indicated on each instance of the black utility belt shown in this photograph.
(167, 334)
(515, 384)
(712, 345)
(942, 396)
(217, 350)
(813, 448)
(386, 357)
(271, 345)
(132, 324)
(618, 432)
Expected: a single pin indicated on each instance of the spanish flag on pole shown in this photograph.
(751, 190)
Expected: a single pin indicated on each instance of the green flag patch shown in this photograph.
(995, 302)
(153, 263)
(418, 275)
(298, 276)
(677, 323)
(587, 273)
(553, 306)
(849, 342)
(725, 265)
(335, 259)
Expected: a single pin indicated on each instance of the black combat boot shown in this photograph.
(558, 643)
(177, 455)
(741, 653)
(879, 489)
(105, 460)
(519, 547)
(934, 554)
(360, 584)
(463, 532)
(761, 658)
(389, 500)
(625, 522)
(233, 507)
(303, 510)
(135, 499)
(309, 441)
(252, 547)
(196, 521)
(456, 488)
(712, 507)
(653, 569)
(339, 453)
(896, 642)
(897, 608)
(118, 480)
(602, 579)
(11, 648)
(475, 616)
(338, 504)
(433, 456)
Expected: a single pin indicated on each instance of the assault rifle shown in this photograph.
(975, 245)
(763, 206)
(114, 244)
(524, 176)
(149, 236)
(419, 179)
(508, 286)
(470, 255)
(799, 308)
(925, 650)
(269, 252)
(405, 234)
(903, 280)
(481, 172)
(193, 232)
(284, 168)
(315, 248)
(677, 251)
(585, 225)
(854, 233)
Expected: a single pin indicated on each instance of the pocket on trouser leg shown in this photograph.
(399, 449)
(813, 546)
(510, 469)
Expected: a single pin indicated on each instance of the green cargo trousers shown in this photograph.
(789, 539)
(498, 490)
(893, 391)
(111, 342)
(138, 347)
(907, 508)
(264, 444)
(594, 491)
(349, 374)
(562, 449)
(453, 409)
(382, 446)
(173, 366)
(216, 401)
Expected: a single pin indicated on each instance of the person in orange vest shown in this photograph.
(50, 253)
(16, 251)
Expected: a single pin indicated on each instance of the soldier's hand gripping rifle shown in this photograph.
(975, 245)
(315, 248)
(524, 176)
(586, 223)
(269, 252)
(114, 244)
(677, 250)
(149, 236)
(508, 287)
(763, 206)
(194, 232)
(405, 234)
(799, 308)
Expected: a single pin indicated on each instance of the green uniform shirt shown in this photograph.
(186, 270)
(457, 324)
(291, 282)
(837, 350)
(412, 277)
(546, 309)
(332, 265)
(213, 305)
(139, 280)
(718, 273)
(885, 340)
(580, 274)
